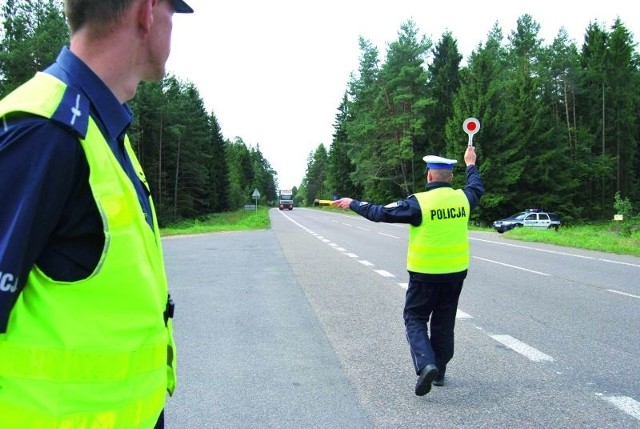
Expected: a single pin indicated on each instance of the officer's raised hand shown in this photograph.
(470, 156)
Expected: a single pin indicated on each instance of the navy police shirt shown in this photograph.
(48, 216)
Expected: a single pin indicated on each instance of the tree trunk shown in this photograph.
(566, 113)
(160, 165)
(603, 152)
(175, 185)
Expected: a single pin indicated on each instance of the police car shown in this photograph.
(533, 218)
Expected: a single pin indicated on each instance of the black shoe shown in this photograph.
(425, 378)
(439, 380)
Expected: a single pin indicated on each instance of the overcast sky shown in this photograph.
(274, 72)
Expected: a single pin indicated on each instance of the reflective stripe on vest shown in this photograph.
(138, 413)
(91, 353)
(440, 245)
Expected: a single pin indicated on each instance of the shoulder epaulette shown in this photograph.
(47, 96)
(73, 111)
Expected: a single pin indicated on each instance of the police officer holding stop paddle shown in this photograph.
(437, 259)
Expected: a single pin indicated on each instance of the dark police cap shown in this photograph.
(181, 7)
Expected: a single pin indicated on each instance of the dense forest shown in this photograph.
(559, 123)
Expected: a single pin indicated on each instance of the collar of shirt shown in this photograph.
(114, 117)
(434, 185)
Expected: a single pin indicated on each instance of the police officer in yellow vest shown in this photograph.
(85, 315)
(437, 260)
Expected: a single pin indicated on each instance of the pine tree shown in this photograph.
(32, 34)
(314, 182)
(442, 87)
(339, 165)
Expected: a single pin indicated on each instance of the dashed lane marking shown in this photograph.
(510, 266)
(388, 235)
(623, 293)
(624, 403)
(462, 315)
(384, 273)
(524, 349)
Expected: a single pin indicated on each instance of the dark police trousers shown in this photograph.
(434, 303)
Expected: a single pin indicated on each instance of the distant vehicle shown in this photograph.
(285, 199)
(533, 218)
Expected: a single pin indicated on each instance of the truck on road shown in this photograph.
(285, 199)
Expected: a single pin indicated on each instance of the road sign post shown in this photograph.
(255, 196)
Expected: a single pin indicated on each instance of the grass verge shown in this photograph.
(239, 220)
(603, 238)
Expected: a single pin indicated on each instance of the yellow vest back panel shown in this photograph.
(440, 245)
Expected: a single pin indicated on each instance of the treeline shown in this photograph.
(559, 124)
(191, 168)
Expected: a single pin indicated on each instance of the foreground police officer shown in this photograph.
(85, 328)
(437, 260)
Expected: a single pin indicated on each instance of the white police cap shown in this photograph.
(439, 163)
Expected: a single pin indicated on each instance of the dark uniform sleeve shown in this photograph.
(38, 160)
(474, 188)
(403, 211)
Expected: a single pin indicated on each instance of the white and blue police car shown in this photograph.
(533, 218)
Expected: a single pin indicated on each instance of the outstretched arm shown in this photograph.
(403, 211)
(474, 188)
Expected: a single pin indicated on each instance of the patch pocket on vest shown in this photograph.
(117, 211)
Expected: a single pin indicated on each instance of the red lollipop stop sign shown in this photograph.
(471, 126)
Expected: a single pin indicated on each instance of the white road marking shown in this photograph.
(388, 235)
(365, 263)
(618, 262)
(404, 286)
(364, 229)
(462, 315)
(555, 252)
(623, 293)
(624, 403)
(511, 266)
(351, 255)
(384, 273)
(522, 348)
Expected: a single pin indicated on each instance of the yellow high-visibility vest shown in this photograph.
(94, 353)
(440, 244)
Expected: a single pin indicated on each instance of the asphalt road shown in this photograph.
(300, 326)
